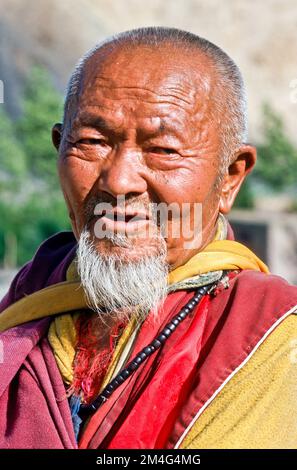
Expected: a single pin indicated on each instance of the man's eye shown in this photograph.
(162, 150)
(91, 142)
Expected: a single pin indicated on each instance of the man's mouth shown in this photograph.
(124, 216)
(119, 221)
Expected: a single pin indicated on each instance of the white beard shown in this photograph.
(115, 287)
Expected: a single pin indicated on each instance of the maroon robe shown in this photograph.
(34, 410)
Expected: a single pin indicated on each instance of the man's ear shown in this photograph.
(57, 135)
(243, 164)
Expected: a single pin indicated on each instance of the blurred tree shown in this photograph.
(276, 168)
(13, 168)
(277, 156)
(25, 226)
(31, 205)
(42, 107)
(13, 162)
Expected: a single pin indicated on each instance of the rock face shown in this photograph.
(260, 36)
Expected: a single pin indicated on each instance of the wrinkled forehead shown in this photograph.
(145, 72)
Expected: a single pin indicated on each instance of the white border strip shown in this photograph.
(292, 310)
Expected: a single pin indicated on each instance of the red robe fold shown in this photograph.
(200, 354)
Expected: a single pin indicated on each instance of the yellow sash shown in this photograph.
(68, 297)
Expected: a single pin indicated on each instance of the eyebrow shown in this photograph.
(93, 120)
(90, 120)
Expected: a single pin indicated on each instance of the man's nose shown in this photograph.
(121, 174)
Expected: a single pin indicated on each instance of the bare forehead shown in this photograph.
(147, 74)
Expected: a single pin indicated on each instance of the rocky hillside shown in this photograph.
(260, 36)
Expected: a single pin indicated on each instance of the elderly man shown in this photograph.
(132, 331)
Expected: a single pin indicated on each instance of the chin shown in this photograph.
(137, 249)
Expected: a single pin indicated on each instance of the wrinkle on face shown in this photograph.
(179, 96)
(127, 95)
(187, 130)
(154, 75)
(137, 107)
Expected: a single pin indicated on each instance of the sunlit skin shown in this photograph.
(142, 129)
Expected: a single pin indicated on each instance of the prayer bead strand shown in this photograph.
(146, 352)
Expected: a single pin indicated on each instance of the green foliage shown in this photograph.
(277, 156)
(13, 159)
(42, 106)
(36, 219)
(32, 207)
(276, 168)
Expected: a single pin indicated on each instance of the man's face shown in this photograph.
(142, 131)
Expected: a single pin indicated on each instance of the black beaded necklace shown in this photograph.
(146, 352)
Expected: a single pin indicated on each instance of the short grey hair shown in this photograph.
(230, 102)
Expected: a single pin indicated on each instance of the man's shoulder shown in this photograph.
(253, 303)
(53, 257)
(263, 286)
(48, 266)
(56, 242)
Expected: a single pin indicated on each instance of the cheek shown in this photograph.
(186, 185)
(77, 177)
(195, 193)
